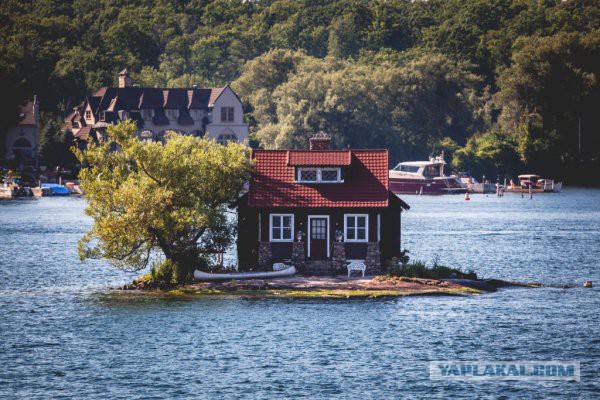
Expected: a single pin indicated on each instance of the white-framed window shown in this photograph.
(281, 227)
(227, 114)
(88, 114)
(319, 175)
(356, 227)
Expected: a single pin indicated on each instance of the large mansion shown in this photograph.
(21, 142)
(213, 112)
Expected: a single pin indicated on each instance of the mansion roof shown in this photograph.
(107, 102)
(134, 98)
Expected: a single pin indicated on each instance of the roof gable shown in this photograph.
(329, 158)
(273, 181)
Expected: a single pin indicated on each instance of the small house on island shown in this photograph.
(318, 209)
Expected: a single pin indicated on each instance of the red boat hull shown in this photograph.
(424, 186)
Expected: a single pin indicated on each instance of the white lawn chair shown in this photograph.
(356, 266)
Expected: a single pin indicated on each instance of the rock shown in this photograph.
(587, 284)
(453, 275)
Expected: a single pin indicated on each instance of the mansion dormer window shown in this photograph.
(88, 114)
(319, 175)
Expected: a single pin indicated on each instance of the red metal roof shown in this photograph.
(273, 182)
(331, 158)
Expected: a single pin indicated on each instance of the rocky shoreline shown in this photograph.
(329, 287)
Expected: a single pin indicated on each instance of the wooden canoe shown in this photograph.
(206, 276)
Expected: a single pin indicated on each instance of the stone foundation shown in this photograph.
(298, 257)
(338, 258)
(373, 260)
(318, 268)
(265, 256)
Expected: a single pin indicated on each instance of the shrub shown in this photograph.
(418, 269)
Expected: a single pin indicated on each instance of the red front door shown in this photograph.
(318, 238)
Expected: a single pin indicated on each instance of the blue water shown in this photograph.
(64, 335)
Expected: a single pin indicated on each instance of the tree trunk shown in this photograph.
(185, 263)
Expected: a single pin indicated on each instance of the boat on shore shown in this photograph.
(54, 189)
(424, 177)
(7, 192)
(534, 184)
(207, 276)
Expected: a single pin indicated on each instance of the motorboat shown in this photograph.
(54, 189)
(535, 184)
(424, 177)
(474, 186)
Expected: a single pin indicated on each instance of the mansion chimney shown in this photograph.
(124, 79)
(320, 141)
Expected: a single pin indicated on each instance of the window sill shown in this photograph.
(320, 182)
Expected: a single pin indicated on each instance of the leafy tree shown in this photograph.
(491, 153)
(345, 38)
(149, 198)
(537, 57)
(54, 144)
(406, 108)
(551, 87)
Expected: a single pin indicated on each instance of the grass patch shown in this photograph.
(401, 267)
(318, 293)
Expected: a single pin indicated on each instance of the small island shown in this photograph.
(322, 213)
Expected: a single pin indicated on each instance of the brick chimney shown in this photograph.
(320, 141)
(124, 79)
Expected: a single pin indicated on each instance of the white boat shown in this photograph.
(206, 276)
(424, 177)
(6, 192)
(534, 183)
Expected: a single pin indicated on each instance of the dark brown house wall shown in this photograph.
(247, 235)
(391, 226)
(336, 218)
(248, 230)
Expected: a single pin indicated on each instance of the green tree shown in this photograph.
(405, 108)
(491, 153)
(550, 90)
(54, 144)
(149, 198)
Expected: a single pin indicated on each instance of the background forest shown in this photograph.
(501, 86)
